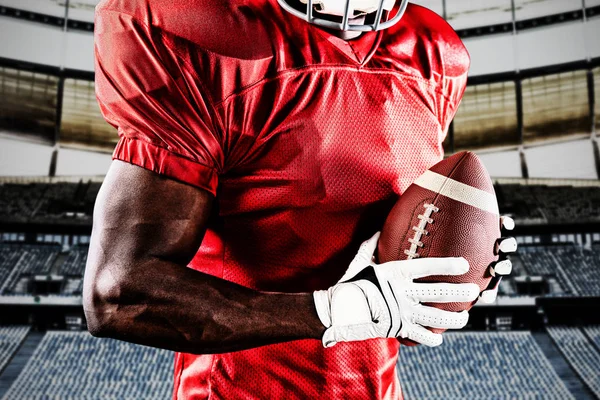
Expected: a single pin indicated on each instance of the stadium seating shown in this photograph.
(75, 365)
(73, 269)
(575, 268)
(48, 203)
(518, 201)
(24, 260)
(581, 267)
(74, 265)
(58, 200)
(580, 353)
(541, 261)
(593, 332)
(571, 269)
(10, 339)
(9, 256)
(538, 204)
(37, 259)
(72, 203)
(18, 202)
(470, 365)
(480, 365)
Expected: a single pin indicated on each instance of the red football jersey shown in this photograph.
(305, 139)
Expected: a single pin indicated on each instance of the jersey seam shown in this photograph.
(151, 143)
(356, 60)
(361, 69)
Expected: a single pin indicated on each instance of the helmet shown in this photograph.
(347, 9)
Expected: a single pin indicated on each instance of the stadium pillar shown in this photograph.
(59, 101)
(592, 107)
(519, 103)
(53, 161)
(59, 107)
(451, 138)
(591, 100)
(596, 155)
(524, 168)
(520, 127)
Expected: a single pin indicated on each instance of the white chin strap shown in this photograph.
(356, 7)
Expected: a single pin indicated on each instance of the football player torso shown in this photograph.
(306, 140)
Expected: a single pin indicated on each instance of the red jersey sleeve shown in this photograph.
(164, 116)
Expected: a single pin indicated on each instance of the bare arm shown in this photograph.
(137, 286)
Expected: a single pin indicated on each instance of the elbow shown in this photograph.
(100, 305)
(95, 327)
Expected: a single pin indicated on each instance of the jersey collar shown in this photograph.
(359, 50)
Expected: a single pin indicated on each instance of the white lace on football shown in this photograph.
(420, 231)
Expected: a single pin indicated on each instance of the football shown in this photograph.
(449, 211)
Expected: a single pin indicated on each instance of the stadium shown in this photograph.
(530, 111)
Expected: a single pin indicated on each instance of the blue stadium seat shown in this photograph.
(480, 365)
(574, 267)
(75, 365)
(24, 260)
(11, 338)
(580, 353)
(74, 265)
(593, 332)
(9, 256)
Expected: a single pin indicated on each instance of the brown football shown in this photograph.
(449, 211)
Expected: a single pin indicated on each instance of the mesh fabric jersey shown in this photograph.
(305, 139)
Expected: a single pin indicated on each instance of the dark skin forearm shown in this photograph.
(138, 288)
(184, 310)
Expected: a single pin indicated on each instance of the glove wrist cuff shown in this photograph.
(323, 307)
(329, 338)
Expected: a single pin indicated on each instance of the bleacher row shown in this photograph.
(580, 348)
(541, 204)
(572, 268)
(75, 365)
(469, 365)
(19, 263)
(480, 365)
(50, 203)
(10, 339)
(72, 203)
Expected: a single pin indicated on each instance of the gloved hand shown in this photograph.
(383, 301)
(502, 267)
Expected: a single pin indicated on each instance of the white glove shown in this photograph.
(382, 301)
(502, 267)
